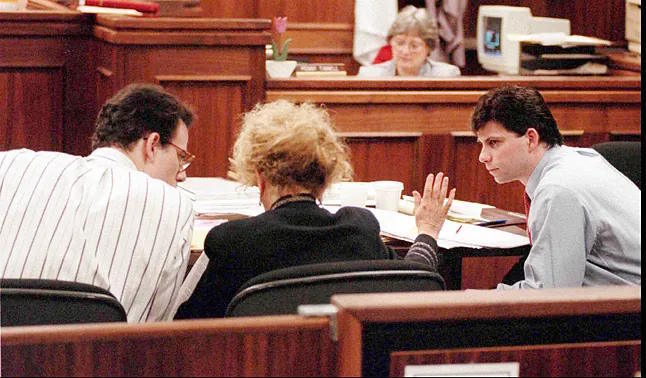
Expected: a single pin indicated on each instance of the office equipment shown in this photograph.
(537, 59)
(35, 301)
(496, 23)
(282, 291)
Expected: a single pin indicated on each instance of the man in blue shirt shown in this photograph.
(584, 216)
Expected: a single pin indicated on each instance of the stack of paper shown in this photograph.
(214, 195)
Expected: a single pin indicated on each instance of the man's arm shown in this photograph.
(558, 254)
(164, 301)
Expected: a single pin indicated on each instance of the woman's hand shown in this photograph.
(431, 209)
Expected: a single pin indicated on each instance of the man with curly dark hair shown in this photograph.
(113, 219)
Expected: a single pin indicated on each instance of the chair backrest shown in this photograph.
(625, 156)
(282, 291)
(34, 301)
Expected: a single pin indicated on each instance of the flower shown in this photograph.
(278, 47)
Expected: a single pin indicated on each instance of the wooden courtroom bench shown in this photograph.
(262, 346)
(553, 332)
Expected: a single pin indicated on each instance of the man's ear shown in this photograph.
(150, 144)
(533, 138)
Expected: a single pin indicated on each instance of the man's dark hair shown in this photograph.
(136, 111)
(517, 109)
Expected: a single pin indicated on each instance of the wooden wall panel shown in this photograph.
(33, 102)
(80, 108)
(611, 359)
(370, 151)
(229, 8)
(334, 11)
(485, 274)
(218, 102)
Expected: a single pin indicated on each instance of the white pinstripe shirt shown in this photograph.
(95, 220)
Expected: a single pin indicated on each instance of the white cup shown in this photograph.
(352, 193)
(387, 194)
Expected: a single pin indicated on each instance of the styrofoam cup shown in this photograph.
(352, 193)
(387, 194)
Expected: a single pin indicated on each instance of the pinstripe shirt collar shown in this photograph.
(111, 157)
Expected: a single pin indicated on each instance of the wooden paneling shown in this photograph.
(315, 11)
(43, 69)
(229, 8)
(380, 324)
(218, 101)
(485, 272)
(32, 102)
(368, 151)
(268, 346)
(611, 359)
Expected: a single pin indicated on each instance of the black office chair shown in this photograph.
(34, 301)
(282, 291)
(625, 156)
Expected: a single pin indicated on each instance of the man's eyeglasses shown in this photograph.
(185, 158)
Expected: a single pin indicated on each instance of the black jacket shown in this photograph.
(296, 233)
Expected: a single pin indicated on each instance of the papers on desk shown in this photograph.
(453, 234)
(559, 39)
(214, 195)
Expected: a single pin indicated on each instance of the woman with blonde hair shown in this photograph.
(292, 153)
(412, 37)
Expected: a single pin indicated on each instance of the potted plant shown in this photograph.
(279, 66)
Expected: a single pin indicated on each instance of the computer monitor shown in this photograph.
(496, 51)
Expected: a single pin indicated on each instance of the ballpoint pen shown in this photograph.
(492, 223)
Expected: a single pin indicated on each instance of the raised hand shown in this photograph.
(431, 209)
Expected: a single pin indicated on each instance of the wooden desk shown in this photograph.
(480, 274)
(372, 326)
(588, 110)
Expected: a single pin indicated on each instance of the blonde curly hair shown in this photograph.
(412, 18)
(292, 146)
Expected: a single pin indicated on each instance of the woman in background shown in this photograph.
(292, 153)
(412, 37)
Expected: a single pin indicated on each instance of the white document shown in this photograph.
(480, 369)
(453, 234)
(191, 281)
(215, 195)
(559, 39)
(107, 10)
